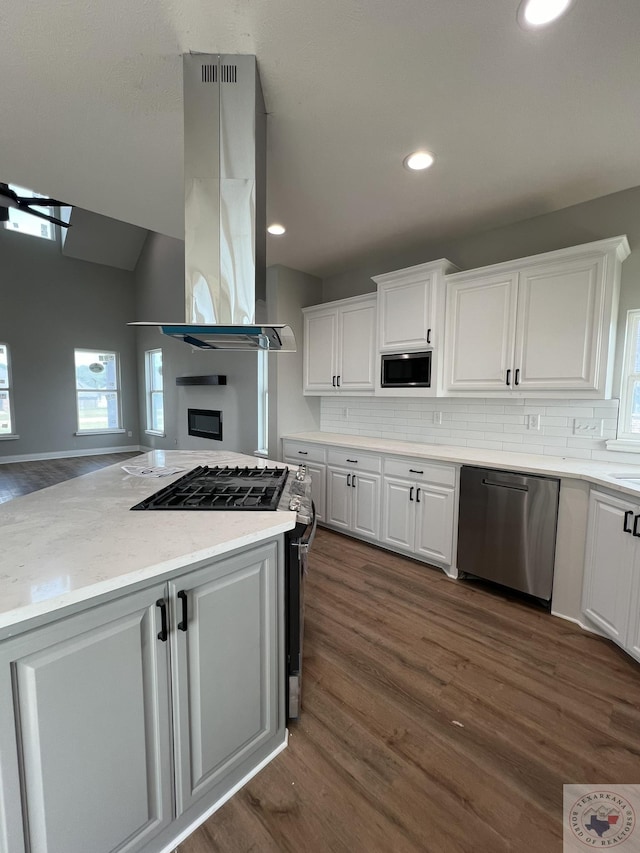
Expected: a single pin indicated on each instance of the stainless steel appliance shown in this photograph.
(406, 370)
(258, 489)
(507, 528)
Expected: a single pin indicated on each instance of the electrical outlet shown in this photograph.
(533, 422)
(130, 434)
(587, 427)
(437, 417)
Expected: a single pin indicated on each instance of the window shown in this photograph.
(25, 223)
(629, 420)
(97, 391)
(6, 420)
(154, 391)
(263, 402)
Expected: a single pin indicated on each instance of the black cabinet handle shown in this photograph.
(508, 382)
(348, 480)
(411, 493)
(428, 336)
(303, 453)
(338, 380)
(418, 495)
(182, 625)
(353, 460)
(353, 481)
(163, 632)
(627, 516)
(333, 381)
(414, 471)
(636, 521)
(517, 380)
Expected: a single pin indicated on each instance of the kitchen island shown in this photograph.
(141, 660)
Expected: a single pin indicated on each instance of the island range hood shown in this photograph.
(225, 209)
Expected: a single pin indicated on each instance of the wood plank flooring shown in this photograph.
(437, 716)
(20, 478)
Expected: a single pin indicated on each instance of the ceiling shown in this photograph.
(521, 123)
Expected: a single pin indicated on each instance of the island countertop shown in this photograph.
(78, 540)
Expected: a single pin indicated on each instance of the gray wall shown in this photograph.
(50, 304)
(607, 216)
(160, 297)
(288, 291)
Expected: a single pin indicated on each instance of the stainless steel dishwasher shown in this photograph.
(507, 528)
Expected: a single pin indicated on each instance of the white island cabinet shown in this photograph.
(139, 691)
(611, 588)
(539, 325)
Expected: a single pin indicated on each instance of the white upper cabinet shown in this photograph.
(339, 346)
(543, 324)
(411, 317)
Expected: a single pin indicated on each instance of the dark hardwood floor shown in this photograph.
(20, 478)
(438, 716)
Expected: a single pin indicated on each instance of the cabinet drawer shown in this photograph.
(355, 459)
(422, 471)
(303, 452)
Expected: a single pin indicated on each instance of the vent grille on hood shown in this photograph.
(225, 207)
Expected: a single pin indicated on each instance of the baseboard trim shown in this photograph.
(68, 454)
(169, 848)
(591, 629)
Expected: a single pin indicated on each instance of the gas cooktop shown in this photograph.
(206, 488)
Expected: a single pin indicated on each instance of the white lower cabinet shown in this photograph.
(611, 587)
(91, 759)
(419, 509)
(313, 456)
(353, 492)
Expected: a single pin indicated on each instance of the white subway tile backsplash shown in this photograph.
(498, 424)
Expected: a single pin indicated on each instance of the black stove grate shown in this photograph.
(217, 488)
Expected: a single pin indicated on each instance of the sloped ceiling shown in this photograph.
(521, 123)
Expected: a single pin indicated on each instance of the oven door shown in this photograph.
(297, 566)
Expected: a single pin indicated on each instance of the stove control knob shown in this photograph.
(295, 504)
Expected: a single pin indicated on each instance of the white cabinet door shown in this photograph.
(480, 331)
(366, 504)
(434, 523)
(558, 325)
(398, 515)
(226, 666)
(339, 497)
(357, 329)
(320, 356)
(633, 635)
(406, 321)
(91, 705)
(318, 488)
(608, 564)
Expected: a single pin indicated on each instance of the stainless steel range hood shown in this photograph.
(225, 208)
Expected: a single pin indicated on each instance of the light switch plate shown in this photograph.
(587, 427)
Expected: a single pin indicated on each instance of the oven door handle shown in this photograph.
(305, 542)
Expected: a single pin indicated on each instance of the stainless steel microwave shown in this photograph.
(406, 370)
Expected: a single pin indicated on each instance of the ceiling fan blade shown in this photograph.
(28, 209)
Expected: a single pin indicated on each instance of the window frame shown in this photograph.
(117, 391)
(45, 208)
(9, 391)
(628, 377)
(150, 391)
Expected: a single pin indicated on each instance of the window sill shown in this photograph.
(11, 437)
(99, 431)
(624, 444)
(155, 432)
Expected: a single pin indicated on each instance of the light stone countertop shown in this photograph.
(599, 473)
(77, 540)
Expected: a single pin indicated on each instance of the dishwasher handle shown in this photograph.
(517, 487)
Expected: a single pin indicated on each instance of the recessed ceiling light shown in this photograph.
(418, 160)
(538, 13)
(276, 229)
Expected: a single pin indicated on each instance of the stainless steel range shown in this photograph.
(249, 490)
